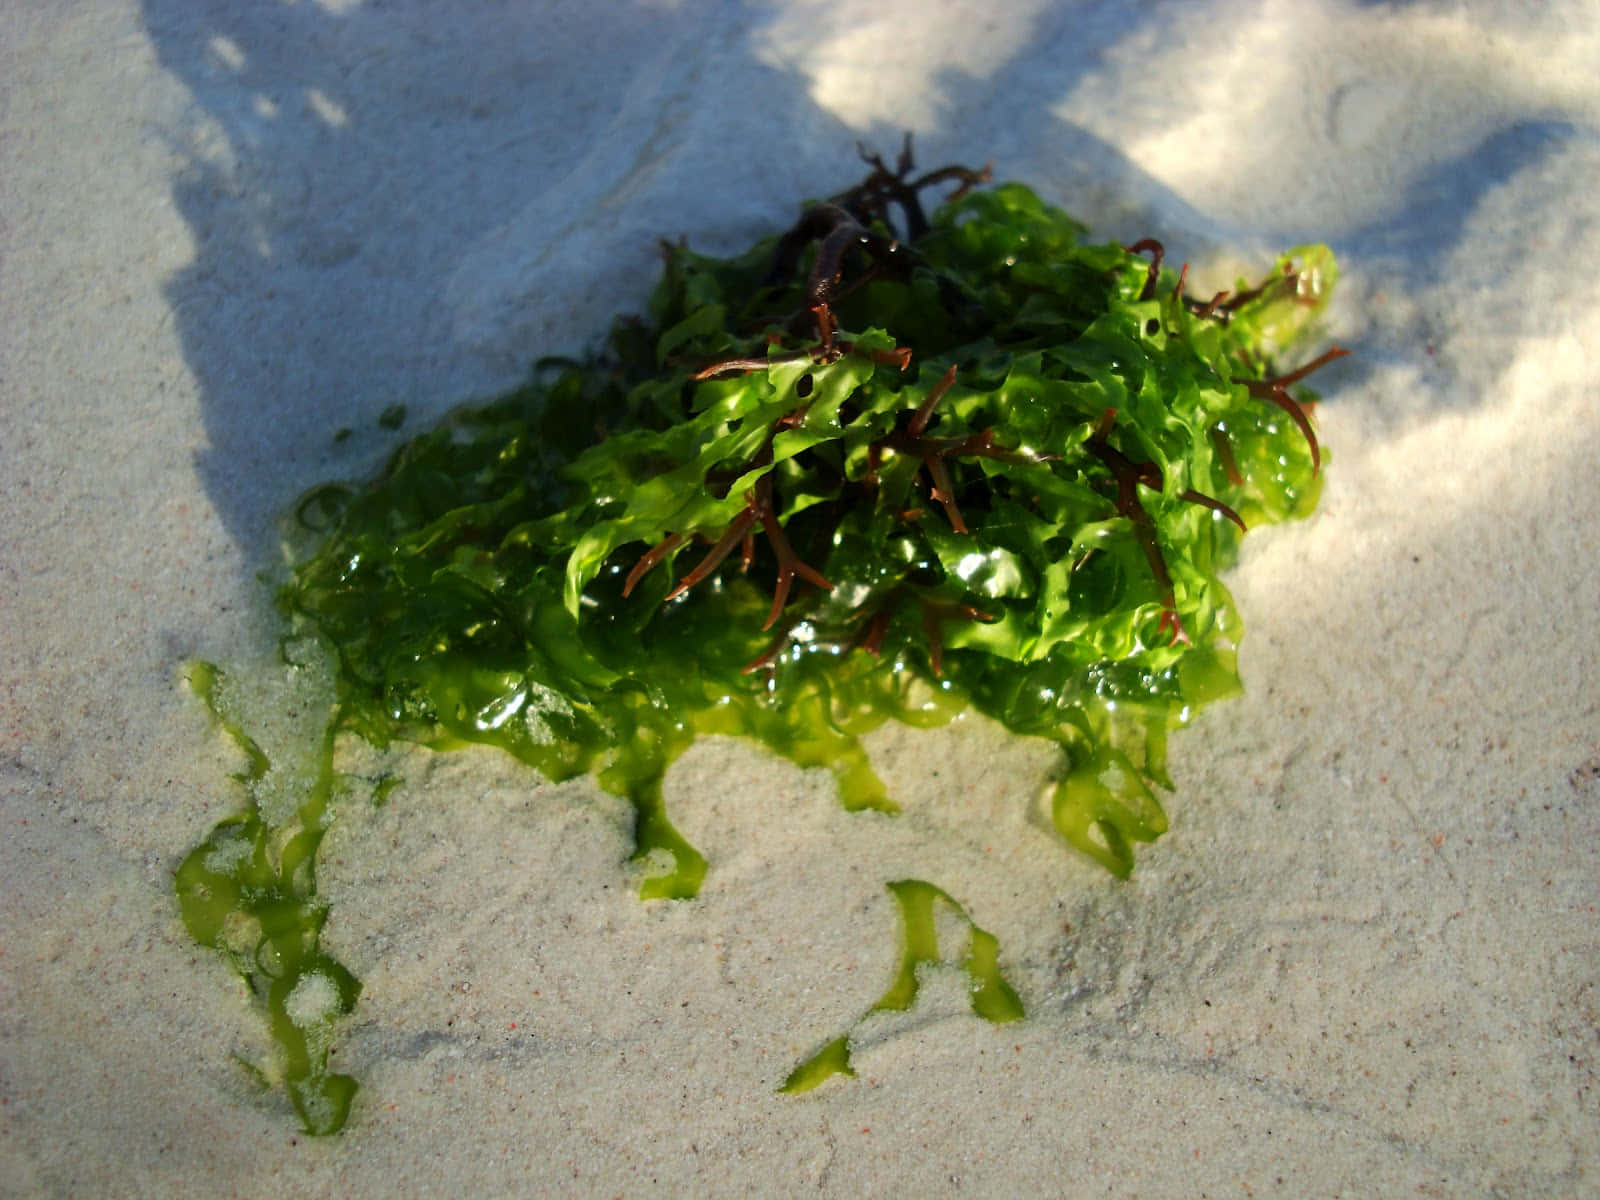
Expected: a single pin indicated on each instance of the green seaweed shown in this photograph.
(249, 891)
(991, 996)
(845, 478)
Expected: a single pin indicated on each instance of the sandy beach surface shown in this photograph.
(1364, 961)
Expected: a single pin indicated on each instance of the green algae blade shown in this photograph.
(833, 1059)
(991, 996)
(248, 890)
(653, 834)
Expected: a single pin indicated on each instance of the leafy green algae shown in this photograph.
(839, 480)
(249, 891)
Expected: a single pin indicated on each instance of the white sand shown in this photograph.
(1365, 958)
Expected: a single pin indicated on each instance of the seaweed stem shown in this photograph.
(1276, 391)
(935, 394)
(934, 617)
(1224, 449)
(758, 511)
(649, 559)
(720, 549)
(1157, 252)
(870, 198)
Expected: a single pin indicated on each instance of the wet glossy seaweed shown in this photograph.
(885, 466)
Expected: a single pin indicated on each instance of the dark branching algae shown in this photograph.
(885, 466)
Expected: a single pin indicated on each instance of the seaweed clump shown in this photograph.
(889, 465)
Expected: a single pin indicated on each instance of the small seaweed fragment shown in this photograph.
(249, 891)
(890, 464)
(992, 998)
